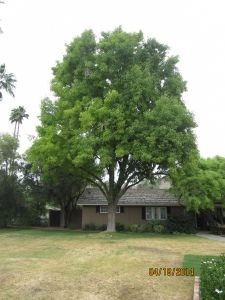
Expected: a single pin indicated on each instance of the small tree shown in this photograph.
(61, 182)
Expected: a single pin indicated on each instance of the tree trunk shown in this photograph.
(18, 129)
(65, 218)
(62, 218)
(111, 226)
(14, 133)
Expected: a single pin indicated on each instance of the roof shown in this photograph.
(133, 197)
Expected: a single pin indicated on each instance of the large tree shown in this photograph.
(7, 81)
(119, 108)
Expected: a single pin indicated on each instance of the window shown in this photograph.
(104, 209)
(155, 213)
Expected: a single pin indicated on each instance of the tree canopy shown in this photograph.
(17, 115)
(119, 112)
(203, 184)
(61, 182)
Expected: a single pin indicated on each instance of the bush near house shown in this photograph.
(213, 278)
(181, 223)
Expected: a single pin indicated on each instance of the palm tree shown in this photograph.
(6, 81)
(17, 115)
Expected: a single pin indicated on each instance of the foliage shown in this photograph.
(101, 227)
(120, 227)
(35, 197)
(201, 185)
(159, 228)
(8, 155)
(181, 223)
(213, 278)
(133, 227)
(90, 226)
(7, 81)
(11, 198)
(48, 156)
(194, 261)
(11, 189)
(119, 108)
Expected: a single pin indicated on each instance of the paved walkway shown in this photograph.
(209, 236)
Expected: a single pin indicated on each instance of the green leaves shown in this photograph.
(7, 81)
(202, 184)
(119, 115)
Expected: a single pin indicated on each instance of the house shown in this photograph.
(136, 206)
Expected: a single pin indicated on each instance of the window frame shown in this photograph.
(156, 213)
(118, 210)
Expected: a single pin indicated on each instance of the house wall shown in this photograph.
(131, 215)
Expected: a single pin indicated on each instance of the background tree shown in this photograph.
(11, 198)
(34, 211)
(201, 185)
(8, 154)
(11, 191)
(7, 81)
(120, 112)
(17, 115)
(61, 181)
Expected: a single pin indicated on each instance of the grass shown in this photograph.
(194, 261)
(52, 264)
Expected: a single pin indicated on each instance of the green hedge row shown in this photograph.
(182, 224)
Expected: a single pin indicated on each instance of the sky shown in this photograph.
(35, 33)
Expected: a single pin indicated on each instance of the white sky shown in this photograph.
(36, 31)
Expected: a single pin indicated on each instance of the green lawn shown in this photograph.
(51, 264)
(194, 261)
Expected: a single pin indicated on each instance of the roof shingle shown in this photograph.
(137, 197)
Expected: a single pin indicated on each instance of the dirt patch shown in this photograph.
(154, 250)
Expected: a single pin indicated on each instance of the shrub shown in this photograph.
(90, 226)
(145, 227)
(102, 227)
(133, 227)
(213, 278)
(159, 228)
(120, 227)
(181, 223)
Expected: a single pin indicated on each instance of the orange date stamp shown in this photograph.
(171, 271)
